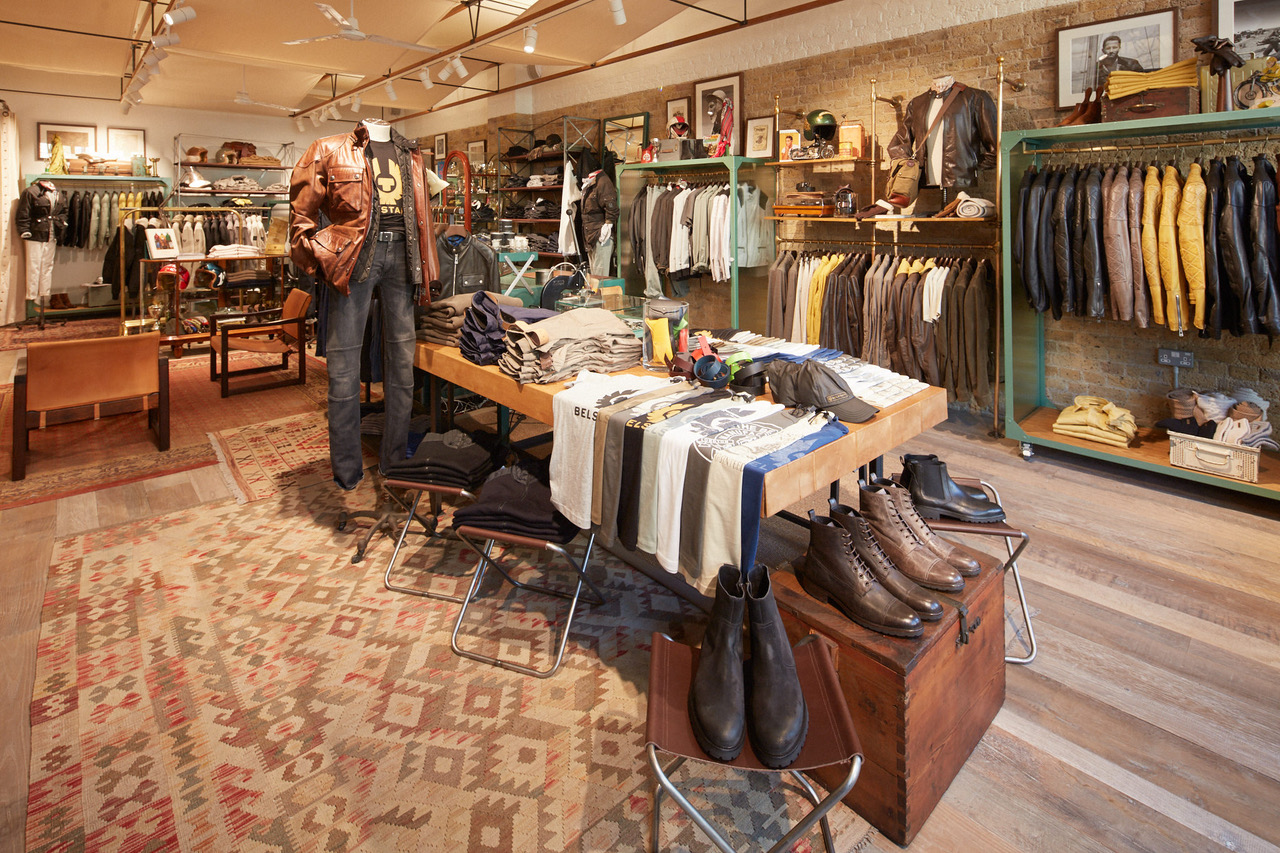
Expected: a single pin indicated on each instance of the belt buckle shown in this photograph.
(386, 236)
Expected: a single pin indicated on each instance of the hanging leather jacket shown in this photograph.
(1094, 280)
(1032, 282)
(1233, 246)
(1116, 231)
(1215, 307)
(1141, 299)
(1177, 311)
(1064, 209)
(1191, 241)
(1048, 266)
(1079, 289)
(1024, 188)
(1151, 242)
(1266, 265)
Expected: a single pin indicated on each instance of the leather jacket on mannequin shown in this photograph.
(1064, 209)
(1116, 231)
(42, 212)
(1032, 282)
(967, 131)
(1151, 242)
(1094, 281)
(333, 177)
(1191, 241)
(1262, 225)
(1141, 299)
(1217, 298)
(1177, 311)
(1233, 246)
(1048, 267)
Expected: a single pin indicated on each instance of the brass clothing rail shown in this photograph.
(873, 243)
(1156, 146)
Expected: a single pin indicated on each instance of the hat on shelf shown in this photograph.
(197, 154)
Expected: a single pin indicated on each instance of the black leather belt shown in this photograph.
(749, 378)
(389, 236)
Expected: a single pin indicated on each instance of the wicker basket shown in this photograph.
(1214, 457)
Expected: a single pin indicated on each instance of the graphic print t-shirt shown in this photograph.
(388, 186)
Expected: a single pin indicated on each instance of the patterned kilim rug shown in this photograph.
(225, 679)
(78, 457)
(12, 337)
(265, 458)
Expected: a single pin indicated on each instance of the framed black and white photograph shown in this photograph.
(475, 152)
(760, 137)
(76, 138)
(717, 108)
(126, 142)
(442, 147)
(1253, 26)
(1087, 55)
(162, 243)
(677, 107)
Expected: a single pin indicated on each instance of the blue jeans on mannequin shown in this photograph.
(343, 340)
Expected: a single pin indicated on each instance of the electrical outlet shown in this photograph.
(1176, 358)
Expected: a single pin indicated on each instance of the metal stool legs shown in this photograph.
(431, 533)
(485, 561)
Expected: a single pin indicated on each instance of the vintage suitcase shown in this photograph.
(1155, 103)
(679, 149)
(919, 706)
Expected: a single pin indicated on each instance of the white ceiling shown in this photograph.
(90, 49)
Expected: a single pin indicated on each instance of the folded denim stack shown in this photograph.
(556, 348)
(482, 328)
(1097, 419)
(549, 243)
(452, 459)
(517, 500)
(441, 321)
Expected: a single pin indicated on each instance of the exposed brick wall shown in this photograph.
(827, 58)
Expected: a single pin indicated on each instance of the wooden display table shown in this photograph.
(920, 706)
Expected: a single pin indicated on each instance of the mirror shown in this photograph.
(626, 136)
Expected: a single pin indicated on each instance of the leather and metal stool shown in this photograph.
(831, 738)
(1010, 535)
(471, 535)
(431, 531)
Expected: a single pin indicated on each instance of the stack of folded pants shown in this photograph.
(544, 243)
(517, 500)
(452, 459)
(441, 321)
(1097, 419)
(556, 348)
(481, 340)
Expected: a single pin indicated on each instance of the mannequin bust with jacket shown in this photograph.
(963, 141)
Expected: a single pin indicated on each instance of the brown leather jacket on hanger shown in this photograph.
(334, 177)
(1141, 298)
(968, 134)
(1115, 229)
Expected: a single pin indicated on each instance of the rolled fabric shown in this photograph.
(1212, 406)
(975, 208)
(1243, 393)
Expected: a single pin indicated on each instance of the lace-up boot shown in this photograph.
(901, 586)
(967, 561)
(912, 557)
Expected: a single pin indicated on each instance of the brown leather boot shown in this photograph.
(901, 586)
(963, 559)
(833, 573)
(912, 557)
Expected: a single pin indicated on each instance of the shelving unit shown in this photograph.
(1029, 414)
(212, 170)
(634, 177)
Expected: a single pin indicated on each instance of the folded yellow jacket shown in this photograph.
(1097, 419)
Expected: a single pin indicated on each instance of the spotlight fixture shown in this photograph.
(459, 67)
(315, 120)
(153, 57)
(333, 113)
(391, 91)
(355, 104)
(297, 121)
(125, 107)
(141, 76)
(179, 16)
(619, 13)
(134, 98)
(425, 76)
(446, 71)
(530, 38)
(165, 40)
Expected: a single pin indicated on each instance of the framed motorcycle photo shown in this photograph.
(1253, 26)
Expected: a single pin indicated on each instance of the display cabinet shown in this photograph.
(269, 167)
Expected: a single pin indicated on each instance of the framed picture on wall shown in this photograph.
(719, 108)
(1087, 55)
(76, 138)
(442, 147)
(760, 137)
(677, 107)
(475, 152)
(125, 142)
(1253, 26)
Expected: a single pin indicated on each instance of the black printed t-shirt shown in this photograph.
(388, 186)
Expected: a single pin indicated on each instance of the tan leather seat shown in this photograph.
(285, 336)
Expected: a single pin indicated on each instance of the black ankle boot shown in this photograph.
(936, 495)
(779, 719)
(912, 460)
(716, 698)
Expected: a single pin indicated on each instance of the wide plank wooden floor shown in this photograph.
(1149, 721)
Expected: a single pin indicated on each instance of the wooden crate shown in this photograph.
(920, 706)
(1154, 103)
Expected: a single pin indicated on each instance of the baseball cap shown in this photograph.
(812, 383)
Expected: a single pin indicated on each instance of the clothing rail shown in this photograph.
(1157, 146)
(673, 177)
(874, 243)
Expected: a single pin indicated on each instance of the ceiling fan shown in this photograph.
(349, 29)
(242, 97)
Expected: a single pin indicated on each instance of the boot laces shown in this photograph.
(859, 567)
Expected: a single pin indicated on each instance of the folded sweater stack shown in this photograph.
(1097, 419)
(558, 347)
(441, 321)
(517, 500)
(446, 459)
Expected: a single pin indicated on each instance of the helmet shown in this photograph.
(171, 274)
(210, 274)
(822, 125)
